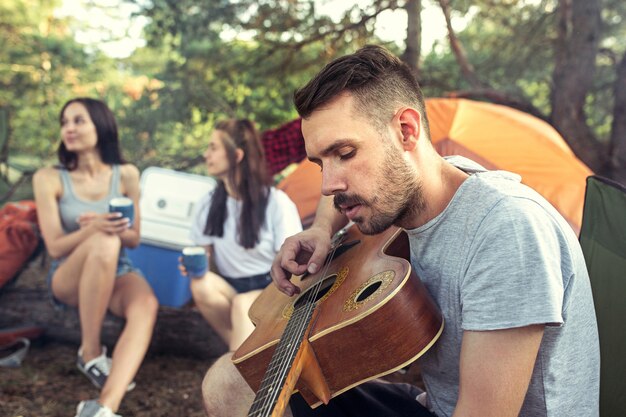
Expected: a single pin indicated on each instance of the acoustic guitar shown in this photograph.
(364, 315)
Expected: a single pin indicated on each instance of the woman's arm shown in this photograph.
(130, 188)
(211, 259)
(47, 189)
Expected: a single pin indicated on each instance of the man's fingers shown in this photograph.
(288, 288)
(291, 267)
(281, 278)
(318, 258)
(282, 268)
(303, 252)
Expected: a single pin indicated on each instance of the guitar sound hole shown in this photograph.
(326, 285)
(368, 291)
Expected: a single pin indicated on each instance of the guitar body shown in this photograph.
(374, 317)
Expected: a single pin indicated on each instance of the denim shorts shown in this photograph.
(245, 284)
(124, 266)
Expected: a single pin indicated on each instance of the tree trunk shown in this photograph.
(618, 127)
(575, 51)
(413, 35)
(180, 331)
(469, 74)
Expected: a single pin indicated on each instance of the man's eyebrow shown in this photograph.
(331, 149)
(336, 145)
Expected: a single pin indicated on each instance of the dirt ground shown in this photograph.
(48, 384)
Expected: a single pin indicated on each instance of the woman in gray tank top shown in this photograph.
(90, 269)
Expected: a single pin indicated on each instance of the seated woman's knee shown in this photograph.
(103, 246)
(149, 303)
(145, 305)
(203, 292)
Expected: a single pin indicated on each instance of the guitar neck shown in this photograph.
(281, 374)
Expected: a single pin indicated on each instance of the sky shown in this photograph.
(390, 25)
(97, 19)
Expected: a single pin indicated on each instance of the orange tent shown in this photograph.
(497, 137)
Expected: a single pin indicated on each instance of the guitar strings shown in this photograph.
(277, 374)
(275, 369)
(287, 348)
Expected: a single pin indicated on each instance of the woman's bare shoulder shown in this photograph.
(47, 175)
(129, 178)
(129, 171)
(47, 181)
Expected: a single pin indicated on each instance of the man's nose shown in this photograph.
(332, 181)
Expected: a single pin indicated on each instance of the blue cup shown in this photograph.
(123, 205)
(195, 261)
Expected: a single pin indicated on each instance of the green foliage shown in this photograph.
(208, 60)
(226, 59)
(511, 46)
(41, 68)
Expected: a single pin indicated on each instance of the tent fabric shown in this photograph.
(303, 187)
(603, 240)
(504, 138)
(498, 137)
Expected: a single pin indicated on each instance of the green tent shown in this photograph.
(603, 240)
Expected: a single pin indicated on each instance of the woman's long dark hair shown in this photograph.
(250, 179)
(106, 129)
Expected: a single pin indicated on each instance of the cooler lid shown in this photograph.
(164, 235)
(167, 203)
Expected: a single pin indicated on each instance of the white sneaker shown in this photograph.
(93, 408)
(97, 369)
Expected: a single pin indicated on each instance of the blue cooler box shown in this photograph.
(167, 205)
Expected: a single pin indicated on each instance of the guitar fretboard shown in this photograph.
(283, 358)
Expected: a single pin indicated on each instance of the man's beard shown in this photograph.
(397, 199)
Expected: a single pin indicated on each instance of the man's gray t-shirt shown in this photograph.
(498, 257)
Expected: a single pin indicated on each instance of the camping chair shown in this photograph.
(603, 240)
(7, 186)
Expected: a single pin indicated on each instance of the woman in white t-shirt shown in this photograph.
(242, 222)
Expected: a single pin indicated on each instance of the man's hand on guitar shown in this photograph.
(304, 252)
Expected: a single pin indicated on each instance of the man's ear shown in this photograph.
(411, 125)
(239, 154)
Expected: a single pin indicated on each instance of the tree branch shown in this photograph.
(457, 49)
(413, 35)
(336, 32)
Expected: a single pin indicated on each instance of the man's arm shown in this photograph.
(495, 371)
(307, 250)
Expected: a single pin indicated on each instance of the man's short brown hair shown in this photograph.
(378, 80)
